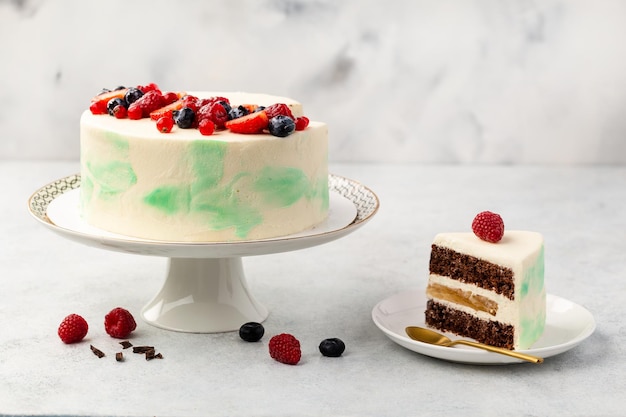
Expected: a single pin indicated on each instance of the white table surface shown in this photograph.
(325, 291)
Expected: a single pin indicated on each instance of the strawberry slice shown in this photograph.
(157, 114)
(110, 95)
(250, 123)
(250, 107)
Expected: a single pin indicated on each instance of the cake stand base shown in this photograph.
(204, 296)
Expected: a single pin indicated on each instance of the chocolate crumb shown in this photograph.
(96, 351)
(150, 354)
(142, 349)
(119, 356)
(158, 356)
(126, 344)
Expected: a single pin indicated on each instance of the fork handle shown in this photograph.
(518, 355)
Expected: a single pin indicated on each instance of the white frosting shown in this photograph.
(183, 186)
(522, 252)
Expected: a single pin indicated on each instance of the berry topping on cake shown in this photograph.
(251, 123)
(133, 94)
(171, 97)
(120, 112)
(332, 347)
(285, 348)
(115, 102)
(166, 110)
(488, 226)
(149, 102)
(278, 109)
(73, 329)
(119, 323)
(185, 118)
(251, 331)
(148, 87)
(206, 127)
(302, 122)
(108, 95)
(281, 126)
(165, 123)
(188, 111)
(237, 112)
(214, 111)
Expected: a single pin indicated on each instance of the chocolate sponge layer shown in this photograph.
(469, 269)
(455, 321)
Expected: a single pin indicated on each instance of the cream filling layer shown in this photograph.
(506, 311)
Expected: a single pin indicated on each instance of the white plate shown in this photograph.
(567, 325)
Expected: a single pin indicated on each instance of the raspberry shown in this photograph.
(170, 97)
(302, 123)
(73, 329)
(278, 110)
(215, 112)
(285, 348)
(488, 226)
(119, 323)
(149, 87)
(149, 102)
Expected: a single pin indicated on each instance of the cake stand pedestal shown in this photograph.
(205, 289)
(204, 296)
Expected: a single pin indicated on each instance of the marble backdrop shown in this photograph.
(433, 81)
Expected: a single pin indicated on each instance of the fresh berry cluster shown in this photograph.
(118, 323)
(488, 226)
(284, 347)
(189, 112)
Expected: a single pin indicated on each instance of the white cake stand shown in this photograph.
(205, 289)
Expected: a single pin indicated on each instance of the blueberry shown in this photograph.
(332, 347)
(237, 112)
(259, 108)
(132, 95)
(185, 118)
(114, 102)
(251, 331)
(282, 126)
(119, 87)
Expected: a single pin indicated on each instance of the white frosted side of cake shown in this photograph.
(182, 186)
(523, 253)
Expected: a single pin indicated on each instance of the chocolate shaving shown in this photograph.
(96, 351)
(142, 349)
(126, 344)
(119, 356)
(150, 354)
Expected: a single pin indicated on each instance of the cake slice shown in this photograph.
(491, 292)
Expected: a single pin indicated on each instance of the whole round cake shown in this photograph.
(201, 166)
